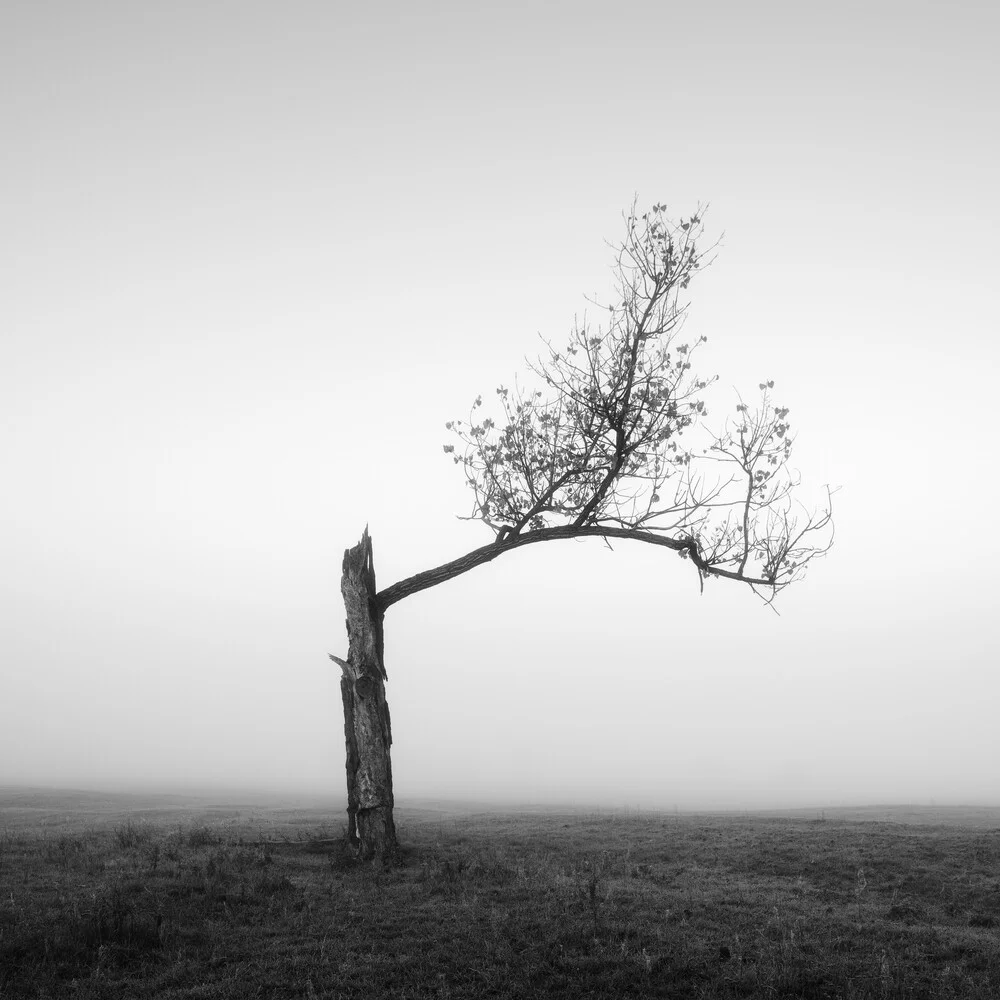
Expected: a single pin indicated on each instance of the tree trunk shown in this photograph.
(366, 714)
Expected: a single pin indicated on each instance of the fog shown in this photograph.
(256, 255)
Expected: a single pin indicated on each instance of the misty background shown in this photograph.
(255, 255)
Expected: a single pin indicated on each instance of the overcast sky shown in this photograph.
(253, 257)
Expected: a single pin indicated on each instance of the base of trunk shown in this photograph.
(376, 833)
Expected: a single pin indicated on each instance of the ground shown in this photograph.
(112, 896)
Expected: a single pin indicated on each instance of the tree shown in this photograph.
(613, 443)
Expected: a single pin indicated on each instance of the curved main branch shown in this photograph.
(432, 577)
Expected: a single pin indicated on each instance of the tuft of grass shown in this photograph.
(120, 920)
(200, 836)
(116, 925)
(131, 834)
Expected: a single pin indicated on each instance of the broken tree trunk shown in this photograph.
(366, 714)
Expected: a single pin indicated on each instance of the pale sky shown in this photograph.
(255, 255)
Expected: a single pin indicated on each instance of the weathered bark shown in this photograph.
(367, 728)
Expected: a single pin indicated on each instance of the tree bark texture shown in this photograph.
(367, 728)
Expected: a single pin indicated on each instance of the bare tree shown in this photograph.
(613, 443)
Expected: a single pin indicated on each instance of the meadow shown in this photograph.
(128, 896)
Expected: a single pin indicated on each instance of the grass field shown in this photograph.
(139, 897)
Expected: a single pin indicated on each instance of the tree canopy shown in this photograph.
(614, 437)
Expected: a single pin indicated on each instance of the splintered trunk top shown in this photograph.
(366, 714)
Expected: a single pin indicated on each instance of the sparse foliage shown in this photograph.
(616, 435)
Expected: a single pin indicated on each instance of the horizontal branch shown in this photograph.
(432, 577)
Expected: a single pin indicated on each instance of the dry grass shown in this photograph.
(240, 902)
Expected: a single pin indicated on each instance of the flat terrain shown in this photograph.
(130, 896)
